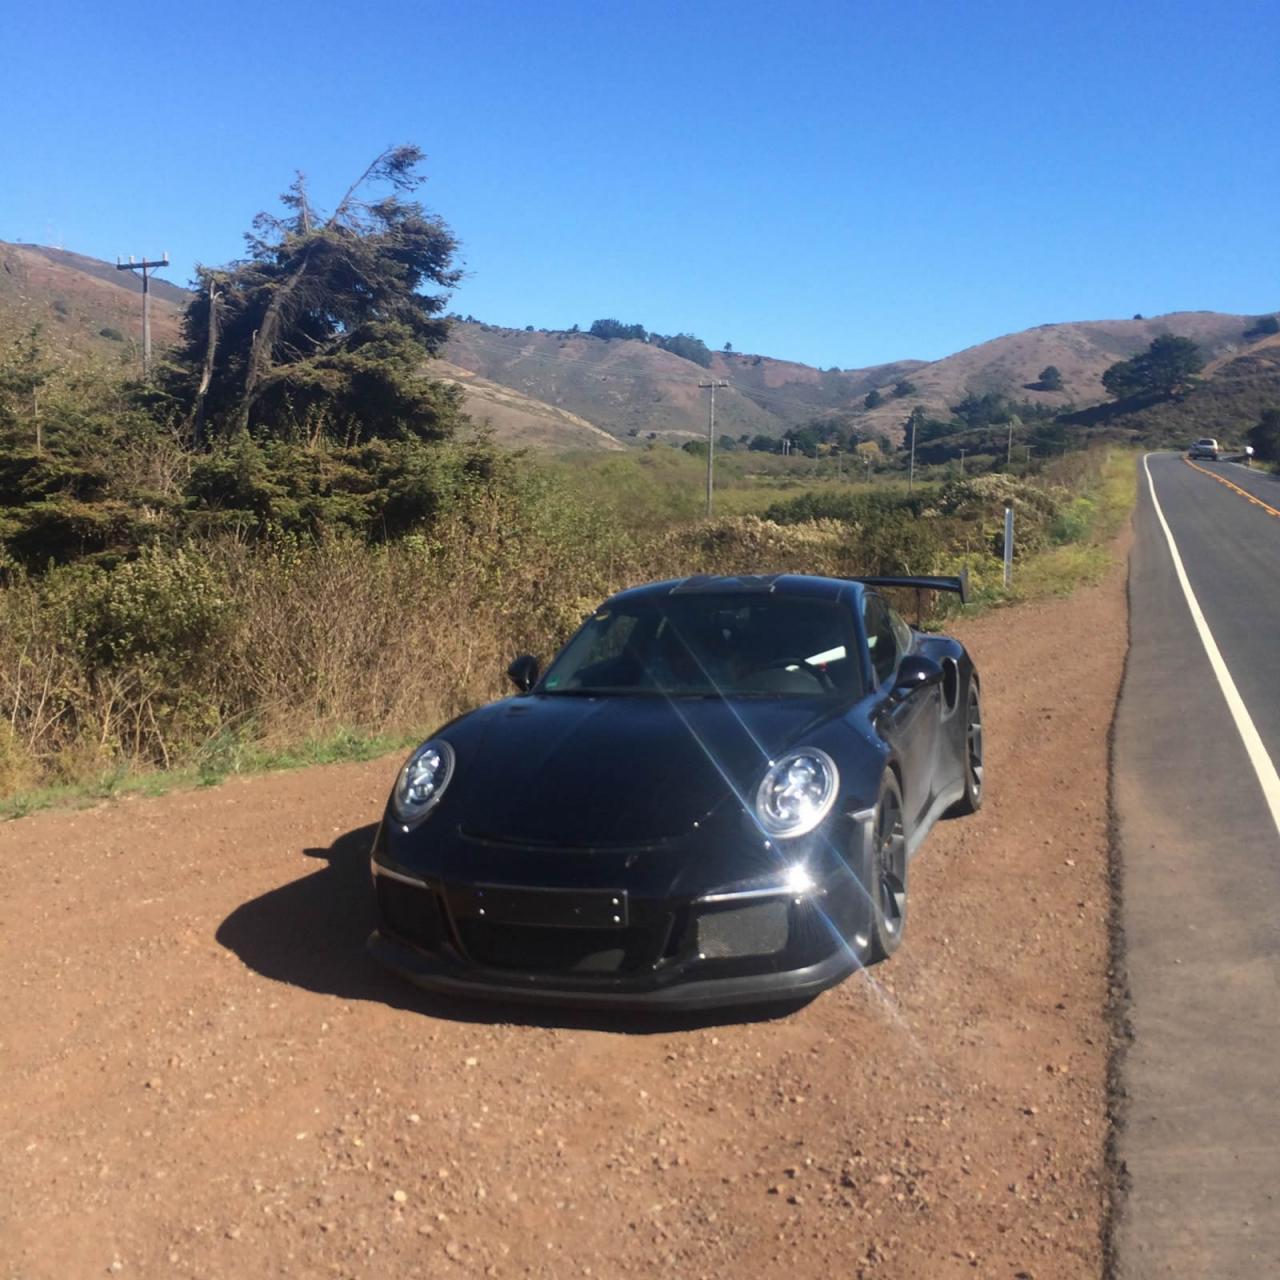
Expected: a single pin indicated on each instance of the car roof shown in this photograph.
(797, 585)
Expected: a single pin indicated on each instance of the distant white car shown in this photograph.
(1205, 447)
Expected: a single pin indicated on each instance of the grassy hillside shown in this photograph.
(1080, 351)
(1231, 398)
(518, 421)
(86, 307)
(631, 387)
(624, 387)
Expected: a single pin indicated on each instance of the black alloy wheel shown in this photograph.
(971, 801)
(886, 879)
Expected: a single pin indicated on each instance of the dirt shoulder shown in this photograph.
(204, 1076)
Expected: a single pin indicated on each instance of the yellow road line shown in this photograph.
(1244, 493)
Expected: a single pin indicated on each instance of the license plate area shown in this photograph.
(550, 908)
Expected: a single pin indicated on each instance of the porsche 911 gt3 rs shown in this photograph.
(711, 797)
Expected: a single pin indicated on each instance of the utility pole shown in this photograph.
(711, 433)
(145, 267)
(1008, 457)
(911, 474)
(1028, 449)
(962, 453)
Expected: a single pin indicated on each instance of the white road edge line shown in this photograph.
(1257, 753)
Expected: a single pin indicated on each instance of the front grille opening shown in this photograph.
(410, 913)
(761, 929)
(538, 949)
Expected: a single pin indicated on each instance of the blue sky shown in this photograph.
(841, 184)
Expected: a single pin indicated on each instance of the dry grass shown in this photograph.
(221, 656)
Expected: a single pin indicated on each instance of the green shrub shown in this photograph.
(854, 507)
(169, 606)
(1073, 522)
(979, 504)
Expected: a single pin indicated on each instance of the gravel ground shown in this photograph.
(204, 1076)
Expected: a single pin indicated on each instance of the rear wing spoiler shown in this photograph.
(959, 585)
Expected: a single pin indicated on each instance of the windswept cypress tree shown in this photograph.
(1167, 367)
(321, 330)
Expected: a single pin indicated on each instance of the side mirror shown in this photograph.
(524, 672)
(916, 671)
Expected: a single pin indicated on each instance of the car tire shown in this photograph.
(885, 874)
(971, 801)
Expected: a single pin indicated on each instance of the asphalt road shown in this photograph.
(1199, 845)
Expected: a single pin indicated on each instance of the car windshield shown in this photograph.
(710, 645)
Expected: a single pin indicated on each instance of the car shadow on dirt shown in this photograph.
(311, 934)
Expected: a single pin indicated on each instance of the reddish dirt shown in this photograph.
(204, 1076)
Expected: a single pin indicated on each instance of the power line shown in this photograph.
(145, 267)
(711, 432)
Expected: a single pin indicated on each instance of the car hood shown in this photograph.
(618, 771)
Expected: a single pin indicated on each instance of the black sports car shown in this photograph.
(710, 798)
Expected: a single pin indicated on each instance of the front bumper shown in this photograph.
(435, 972)
(723, 949)
(623, 928)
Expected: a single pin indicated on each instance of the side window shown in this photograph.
(881, 641)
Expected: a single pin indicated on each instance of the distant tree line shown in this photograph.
(684, 345)
(610, 329)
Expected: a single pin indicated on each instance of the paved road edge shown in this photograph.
(1115, 1187)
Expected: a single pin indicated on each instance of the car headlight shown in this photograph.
(422, 781)
(797, 792)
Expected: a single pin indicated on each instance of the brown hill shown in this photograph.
(632, 388)
(85, 306)
(518, 421)
(629, 388)
(1081, 351)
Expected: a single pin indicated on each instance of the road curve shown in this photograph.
(1196, 815)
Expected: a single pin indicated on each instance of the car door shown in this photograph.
(909, 722)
